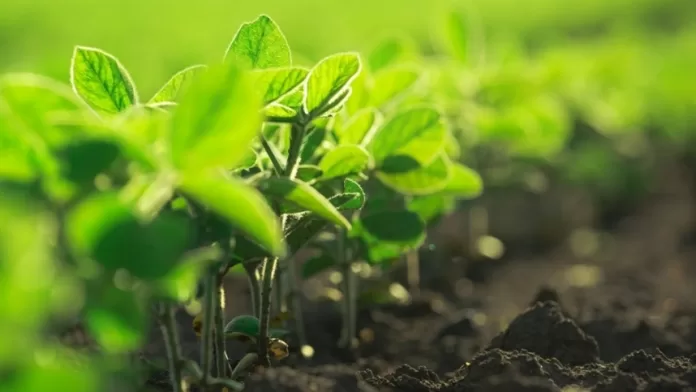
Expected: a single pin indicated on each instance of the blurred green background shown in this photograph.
(155, 38)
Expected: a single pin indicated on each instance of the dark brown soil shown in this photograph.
(620, 319)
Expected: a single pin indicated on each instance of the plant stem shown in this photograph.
(254, 286)
(413, 271)
(295, 301)
(278, 289)
(270, 265)
(248, 360)
(349, 297)
(281, 120)
(272, 156)
(267, 277)
(221, 361)
(171, 341)
(208, 327)
(296, 138)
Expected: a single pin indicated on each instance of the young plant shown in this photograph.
(408, 161)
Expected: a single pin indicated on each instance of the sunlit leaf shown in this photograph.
(102, 81)
(344, 160)
(390, 52)
(302, 195)
(243, 207)
(391, 83)
(172, 90)
(405, 175)
(328, 79)
(259, 44)
(360, 128)
(274, 83)
(417, 132)
(216, 121)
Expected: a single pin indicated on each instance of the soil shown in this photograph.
(620, 318)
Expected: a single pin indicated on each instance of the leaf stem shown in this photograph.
(208, 326)
(344, 259)
(247, 360)
(254, 286)
(272, 156)
(281, 120)
(296, 140)
(295, 301)
(222, 364)
(170, 335)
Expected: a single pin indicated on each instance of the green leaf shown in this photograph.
(344, 160)
(404, 175)
(312, 143)
(275, 83)
(464, 182)
(391, 83)
(389, 52)
(117, 319)
(177, 85)
(459, 36)
(101, 81)
(180, 284)
(431, 206)
(83, 160)
(351, 187)
(106, 230)
(278, 110)
(417, 132)
(240, 204)
(260, 44)
(250, 160)
(304, 196)
(308, 173)
(293, 100)
(399, 226)
(360, 93)
(317, 264)
(32, 103)
(361, 127)
(328, 80)
(216, 121)
(308, 226)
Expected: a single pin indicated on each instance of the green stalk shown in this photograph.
(413, 271)
(221, 362)
(254, 286)
(279, 289)
(349, 296)
(270, 265)
(271, 155)
(170, 335)
(208, 327)
(296, 302)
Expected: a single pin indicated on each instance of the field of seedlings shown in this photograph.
(405, 196)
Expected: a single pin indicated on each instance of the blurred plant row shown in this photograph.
(119, 210)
